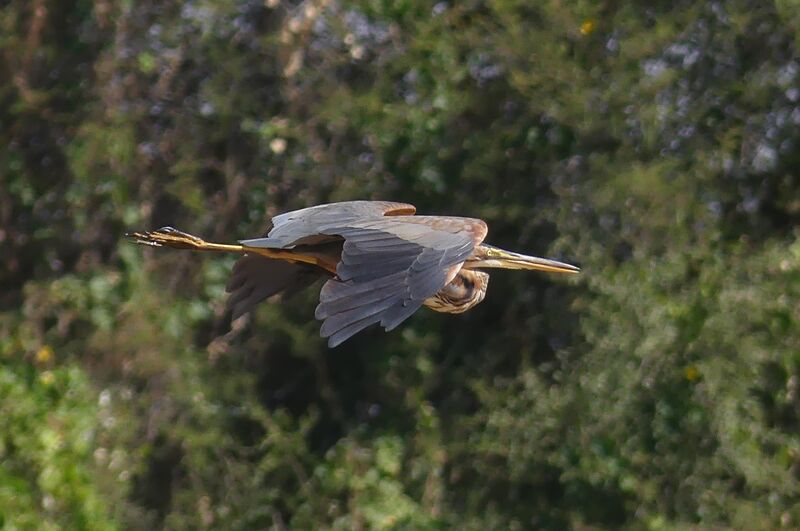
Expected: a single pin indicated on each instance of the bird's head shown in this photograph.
(486, 256)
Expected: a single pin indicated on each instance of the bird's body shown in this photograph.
(381, 262)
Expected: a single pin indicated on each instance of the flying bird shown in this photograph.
(381, 262)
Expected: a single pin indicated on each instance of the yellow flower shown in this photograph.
(44, 355)
(47, 378)
(691, 373)
(587, 27)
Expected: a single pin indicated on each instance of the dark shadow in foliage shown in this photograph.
(152, 489)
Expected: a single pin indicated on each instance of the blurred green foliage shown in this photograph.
(655, 143)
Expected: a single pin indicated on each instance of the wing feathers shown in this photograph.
(367, 271)
(398, 314)
(388, 266)
(336, 322)
(349, 302)
(349, 331)
(254, 278)
(336, 290)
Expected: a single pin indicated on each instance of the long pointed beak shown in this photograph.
(500, 258)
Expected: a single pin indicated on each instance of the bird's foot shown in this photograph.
(167, 237)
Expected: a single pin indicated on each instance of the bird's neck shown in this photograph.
(465, 291)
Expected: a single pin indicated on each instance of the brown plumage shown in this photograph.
(382, 263)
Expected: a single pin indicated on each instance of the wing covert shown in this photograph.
(307, 224)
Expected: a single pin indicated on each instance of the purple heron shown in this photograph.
(381, 262)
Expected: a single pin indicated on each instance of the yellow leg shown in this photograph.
(170, 237)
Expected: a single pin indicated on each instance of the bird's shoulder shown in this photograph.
(475, 229)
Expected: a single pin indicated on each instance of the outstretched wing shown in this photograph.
(255, 278)
(389, 267)
(304, 226)
(391, 261)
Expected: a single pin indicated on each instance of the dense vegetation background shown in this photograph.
(654, 143)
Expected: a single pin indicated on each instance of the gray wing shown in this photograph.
(255, 278)
(306, 226)
(391, 261)
(389, 267)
